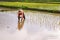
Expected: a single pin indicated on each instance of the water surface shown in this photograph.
(37, 26)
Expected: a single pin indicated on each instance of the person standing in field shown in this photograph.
(21, 15)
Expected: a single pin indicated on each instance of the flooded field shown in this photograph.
(37, 26)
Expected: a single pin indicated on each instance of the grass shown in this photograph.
(44, 6)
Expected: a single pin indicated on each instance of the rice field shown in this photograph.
(44, 6)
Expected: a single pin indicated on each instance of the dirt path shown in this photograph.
(6, 9)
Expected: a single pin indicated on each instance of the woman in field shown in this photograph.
(21, 15)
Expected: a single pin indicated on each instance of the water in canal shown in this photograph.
(37, 26)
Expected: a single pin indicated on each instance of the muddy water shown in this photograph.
(37, 26)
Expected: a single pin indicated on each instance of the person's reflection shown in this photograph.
(20, 25)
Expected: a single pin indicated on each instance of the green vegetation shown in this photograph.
(44, 6)
(32, 0)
